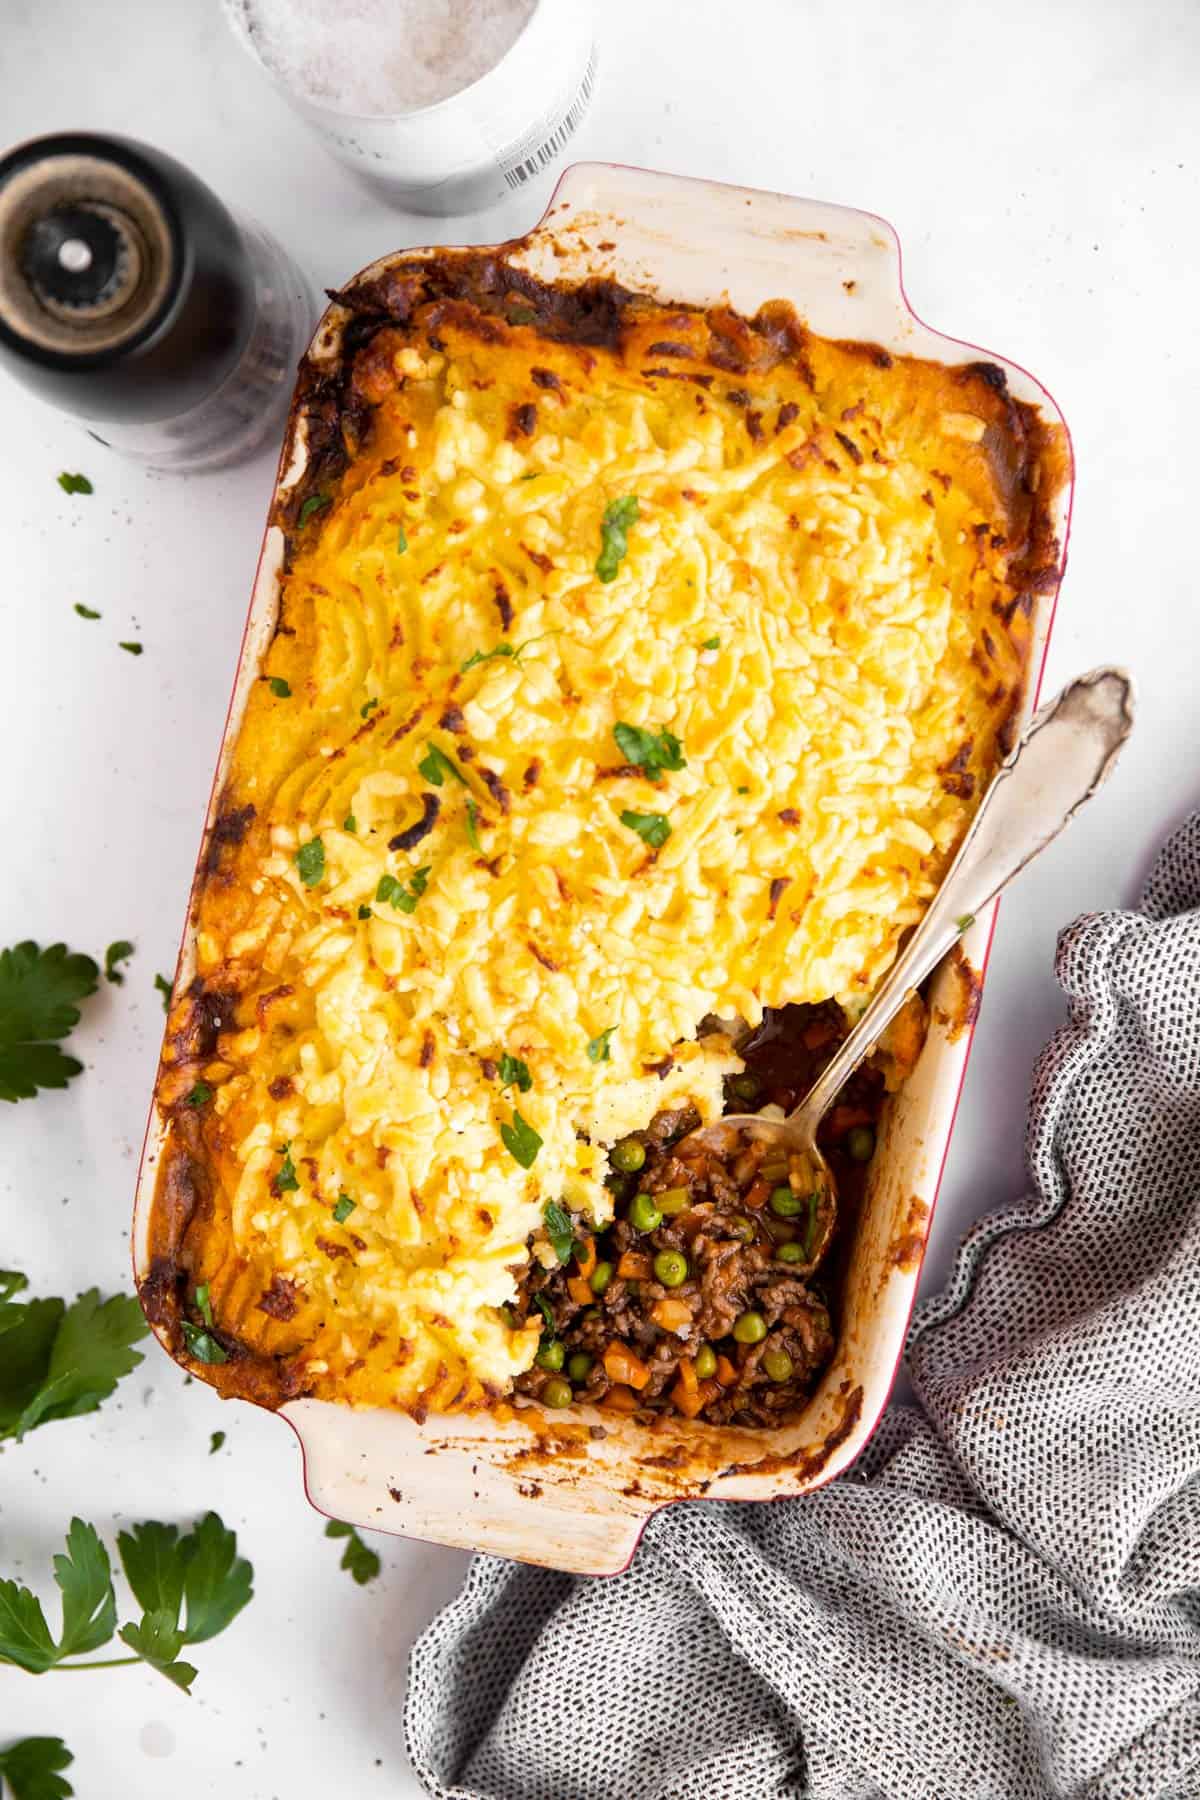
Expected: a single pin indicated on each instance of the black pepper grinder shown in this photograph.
(131, 297)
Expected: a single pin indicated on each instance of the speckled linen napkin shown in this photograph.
(1001, 1600)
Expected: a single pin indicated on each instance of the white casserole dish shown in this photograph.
(542, 1489)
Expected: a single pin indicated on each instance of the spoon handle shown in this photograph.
(1066, 751)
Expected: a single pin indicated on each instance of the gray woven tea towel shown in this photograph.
(1001, 1601)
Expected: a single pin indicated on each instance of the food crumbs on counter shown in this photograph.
(75, 484)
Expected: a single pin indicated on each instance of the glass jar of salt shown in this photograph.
(443, 107)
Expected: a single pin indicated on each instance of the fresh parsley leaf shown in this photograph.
(116, 953)
(521, 1140)
(33, 1766)
(653, 828)
(559, 1230)
(314, 504)
(24, 1634)
(134, 648)
(966, 922)
(310, 861)
(158, 1641)
(367, 707)
(598, 1047)
(483, 656)
(75, 484)
(343, 1207)
(84, 1578)
(215, 1442)
(279, 687)
(435, 765)
(515, 1073)
(473, 824)
(57, 1362)
(401, 541)
(362, 1562)
(364, 912)
(204, 1303)
(39, 990)
(285, 1181)
(164, 988)
(150, 1556)
(349, 823)
(619, 515)
(87, 612)
(202, 1344)
(403, 896)
(712, 643)
(216, 1581)
(200, 1095)
(650, 751)
(544, 1307)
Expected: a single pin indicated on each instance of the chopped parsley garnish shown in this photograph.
(86, 612)
(653, 828)
(200, 1095)
(39, 995)
(349, 823)
(712, 643)
(59, 1361)
(215, 1442)
(966, 922)
(313, 504)
(619, 515)
(401, 541)
(473, 824)
(368, 706)
(559, 1230)
(403, 896)
(521, 1140)
(285, 1181)
(164, 988)
(543, 1306)
(650, 751)
(116, 953)
(358, 1558)
(133, 648)
(521, 315)
(743, 790)
(516, 651)
(598, 1047)
(515, 1073)
(310, 861)
(435, 765)
(204, 1303)
(202, 1345)
(279, 687)
(343, 1208)
(364, 912)
(75, 484)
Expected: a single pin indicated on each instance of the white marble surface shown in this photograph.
(1041, 165)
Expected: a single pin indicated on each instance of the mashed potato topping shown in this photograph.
(614, 688)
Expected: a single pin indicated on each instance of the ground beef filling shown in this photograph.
(703, 1295)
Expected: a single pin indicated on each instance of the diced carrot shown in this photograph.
(671, 1314)
(585, 1257)
(688, 1376)
(579, 1290)
(758, 1195)
(634, 1265)
(620, 1399)
(621, 1365)
(686, 1400)
(726, 1373)
(503, 1413)
(844, 1118)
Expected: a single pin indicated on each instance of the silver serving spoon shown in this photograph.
(1066, 751)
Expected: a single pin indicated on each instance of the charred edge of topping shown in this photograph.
(965, 1009)
(410, 838)
(496, 788)
(806, 1464)
(229, 828)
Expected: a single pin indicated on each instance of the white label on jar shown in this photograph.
(520, 165)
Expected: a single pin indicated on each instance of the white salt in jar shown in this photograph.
(442, 105)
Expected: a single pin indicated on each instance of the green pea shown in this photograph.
(670, 1267)
(643, 1214)
(706, 1362)
(629, 1156)
(509, 1315)
(784, 1204)
(778, 1364)
(744, 1229)
(579, 1366)
(557, 1392)
(860, 1144)
(589, 1314)
(746, 1087)
(672, 1201)
(750, 1328)
(601, 1275)
(790, 1253)
(551, 1355)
